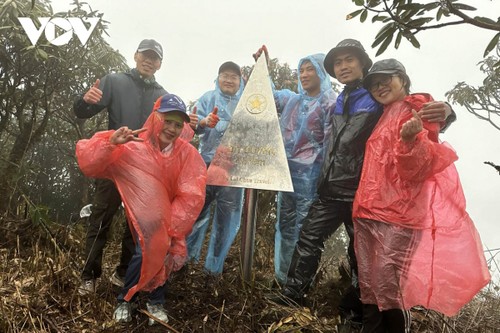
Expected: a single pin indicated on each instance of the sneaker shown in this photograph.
(157, 311)
(87, 287)
(123, 313)
(117, 280)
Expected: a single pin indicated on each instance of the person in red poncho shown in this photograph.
(414, 241)
(161, 179)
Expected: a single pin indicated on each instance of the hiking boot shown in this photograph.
(157, 311)
(87, 287)
(287, 297)
(117, 280)
(123, 312)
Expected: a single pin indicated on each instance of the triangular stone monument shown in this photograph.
(251, 153)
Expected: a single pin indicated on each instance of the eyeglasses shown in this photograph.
(229, 77)
(151, 55)
(384, 80)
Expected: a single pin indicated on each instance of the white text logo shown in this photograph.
(68, 25)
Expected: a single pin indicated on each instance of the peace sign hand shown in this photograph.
(124, 135)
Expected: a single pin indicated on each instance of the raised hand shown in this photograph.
(435, 112)
(94, 94)
(193, 118)
(124, 135)
(211, 120)
(411, 128)
(257, 54)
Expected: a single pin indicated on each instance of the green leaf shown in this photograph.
(431, 6)
(491, 45)
(420, 21)
(411, 6)
(484, 20)
(384, 45)
(384, 33)
(364, 15)
(461, 6)
(377, 18)
(398, 40)
(359, 2)
(413, 40)
(439, 14)
(353, 14)
(407, 15)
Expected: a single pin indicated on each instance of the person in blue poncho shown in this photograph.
(305, 123)
(215, 109)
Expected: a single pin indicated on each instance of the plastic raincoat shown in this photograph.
(162, 194)
(354, 117)
(305, 123)
(228, 200)
(415, 243)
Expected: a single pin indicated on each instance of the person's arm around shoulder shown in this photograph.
(438, 112)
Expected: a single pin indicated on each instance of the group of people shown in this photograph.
(369, 158)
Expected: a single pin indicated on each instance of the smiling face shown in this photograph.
(172, 128)
(147, 63)
(387, 88)
(229, 82)
(348, 67)
(309, 79)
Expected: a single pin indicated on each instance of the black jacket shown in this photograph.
(128, 98)
(356, 114)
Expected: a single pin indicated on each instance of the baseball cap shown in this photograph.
(347, 45)
(171, 103)
(151, 44)
(230, 66)
(386, 66)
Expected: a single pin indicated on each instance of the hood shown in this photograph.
(317, 61)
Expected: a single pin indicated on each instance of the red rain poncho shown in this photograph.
(162, 195)
(414, 241)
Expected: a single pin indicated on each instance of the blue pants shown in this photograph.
(226, 223)
(132, 276)
(291, 212)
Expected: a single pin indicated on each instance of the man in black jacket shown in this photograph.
(129, 98)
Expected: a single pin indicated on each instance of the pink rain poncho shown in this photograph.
(414, 241)
(162, 194)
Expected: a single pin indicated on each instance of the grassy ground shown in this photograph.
(39, 276)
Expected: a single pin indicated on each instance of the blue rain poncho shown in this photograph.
(228, 200)
(210, 137)
(305, 124)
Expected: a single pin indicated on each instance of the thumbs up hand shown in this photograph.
(211, 120)
(94, 94)
(193, 118)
